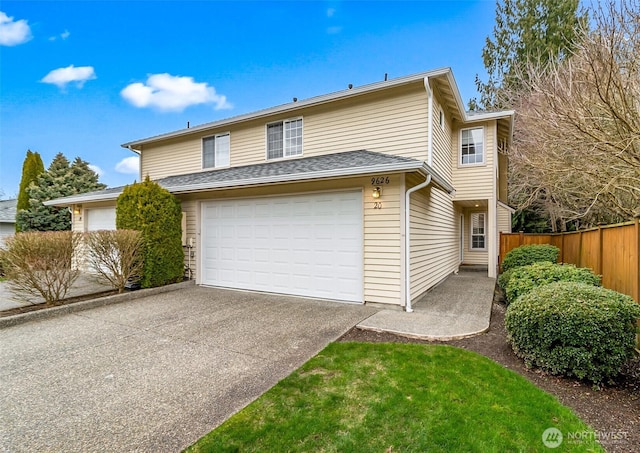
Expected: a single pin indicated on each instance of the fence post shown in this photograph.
(600, 250)
(521, 238)
(636, 279)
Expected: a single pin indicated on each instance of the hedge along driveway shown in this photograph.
(156, 373)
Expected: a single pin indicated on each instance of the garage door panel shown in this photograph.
(100, 219)
(292, 244)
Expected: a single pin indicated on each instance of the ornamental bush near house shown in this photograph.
(503, 279)
(115, 256)
(39, 263)
(525, 278)
(157, 214)
(574, 329)
(529, 254)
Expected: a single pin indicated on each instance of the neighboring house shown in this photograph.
(7, 218)
(319, 197)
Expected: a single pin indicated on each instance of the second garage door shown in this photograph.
(101, 219)
(306, 245)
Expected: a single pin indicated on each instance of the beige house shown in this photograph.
(373, 194)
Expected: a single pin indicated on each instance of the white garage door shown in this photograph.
(306, 245)
(101, 219)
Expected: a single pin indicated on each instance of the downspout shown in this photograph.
(407, 201)
(407, 239)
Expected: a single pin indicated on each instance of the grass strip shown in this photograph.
(364, 397)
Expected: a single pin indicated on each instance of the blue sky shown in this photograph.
(83, 77)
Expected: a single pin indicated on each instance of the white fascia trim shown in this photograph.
(292, 106)
(68, 201)
(489, 116)
(438, 180)
(506, 206)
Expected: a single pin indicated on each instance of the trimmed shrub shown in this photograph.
(156, 213)
(574, 329)
(525, 278)
(116, 256)
(503, 279)
(529, 254)
(40, 264)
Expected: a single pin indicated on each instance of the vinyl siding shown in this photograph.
(393, 122)
(442, 144)
(434, 237)
(474, 182)
(382, 228)
(7, 230)
(504, 220)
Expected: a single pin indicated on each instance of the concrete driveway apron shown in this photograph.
(156, 373)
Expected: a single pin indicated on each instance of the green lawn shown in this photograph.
(363, 397)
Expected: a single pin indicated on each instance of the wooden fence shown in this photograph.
(612, 251)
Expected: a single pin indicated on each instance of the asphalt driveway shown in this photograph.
(156, 373)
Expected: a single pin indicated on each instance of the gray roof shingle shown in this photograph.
(343, 164)
(8, 211)
(285, 169)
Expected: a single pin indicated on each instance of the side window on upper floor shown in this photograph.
(215, 151)
(284, 138)
(472, 146)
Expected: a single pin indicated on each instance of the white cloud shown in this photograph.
(173, 93)
(13, 32)
(129, 165)
(99, 171)
(62, 76)
(64, 35)
(331, 12)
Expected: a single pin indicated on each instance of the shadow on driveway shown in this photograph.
(156, 373)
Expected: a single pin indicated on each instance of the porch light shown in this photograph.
(377, 192)
(77, 209)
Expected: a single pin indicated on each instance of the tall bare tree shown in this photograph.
(576, 150)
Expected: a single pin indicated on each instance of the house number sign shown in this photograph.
(378, 181)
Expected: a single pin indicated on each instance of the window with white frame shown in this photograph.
(215, 151)
(478, 231)
(284, 138)
(472, 146)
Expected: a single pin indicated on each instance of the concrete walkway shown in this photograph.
(457, 308)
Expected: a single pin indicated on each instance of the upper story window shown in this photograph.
(472, 146)
(478, 231)
(284, 138)
(215, 151)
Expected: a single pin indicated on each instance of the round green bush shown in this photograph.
(503, 279)
(525, 278)
(574, 329)
(529, 254)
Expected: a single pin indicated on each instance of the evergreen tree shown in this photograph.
(60, 180)
(31, 168)
(153, 210)
(525, 32)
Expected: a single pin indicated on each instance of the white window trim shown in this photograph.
(484, 147)
(471, 247)
(266, 139)
(215, 166)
